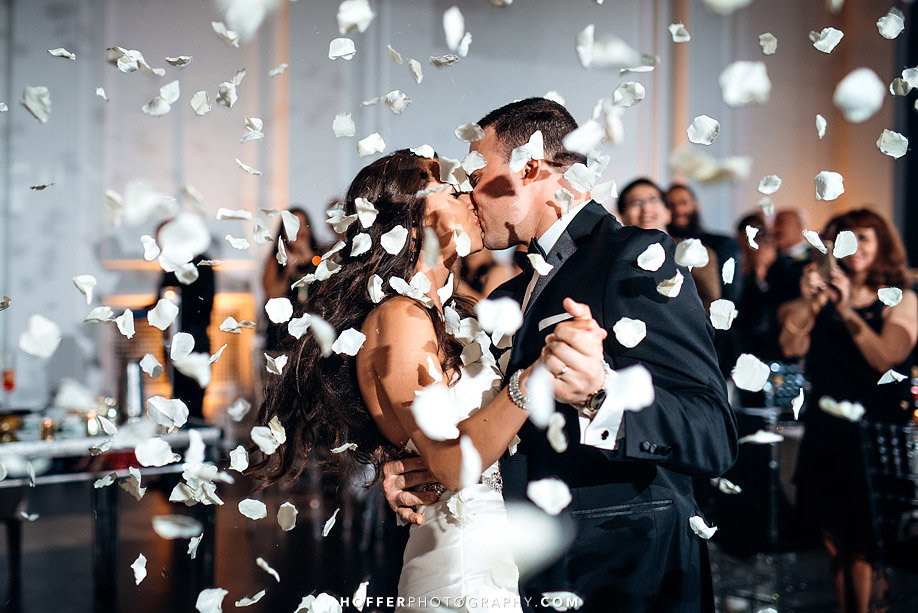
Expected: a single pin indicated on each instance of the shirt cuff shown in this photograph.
(604, 430)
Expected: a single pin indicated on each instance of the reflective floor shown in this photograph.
(57, 557)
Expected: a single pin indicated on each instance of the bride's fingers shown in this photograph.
(411, 516)
(404, 465)
(408, 499)
(406, 481)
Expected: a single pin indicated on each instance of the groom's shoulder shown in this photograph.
(624, 241)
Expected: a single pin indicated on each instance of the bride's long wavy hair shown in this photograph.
(317, 399)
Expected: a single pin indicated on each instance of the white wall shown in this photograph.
(526, 49)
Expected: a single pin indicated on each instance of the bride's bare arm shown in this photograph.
(393, 364)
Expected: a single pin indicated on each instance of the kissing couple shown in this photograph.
(441, 409)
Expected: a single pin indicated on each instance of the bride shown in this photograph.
(417, 334)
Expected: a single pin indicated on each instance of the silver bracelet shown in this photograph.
(517, 396)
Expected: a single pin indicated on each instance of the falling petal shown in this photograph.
(859, 95)
(829, 185)
(750, 373)
(550, 494)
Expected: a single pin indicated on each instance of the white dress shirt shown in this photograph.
(603, 430)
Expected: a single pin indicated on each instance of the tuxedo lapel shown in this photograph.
(579, 228)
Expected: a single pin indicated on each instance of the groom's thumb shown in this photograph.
(578, 310)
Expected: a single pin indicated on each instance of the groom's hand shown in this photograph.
(573, 353)
(398, 476)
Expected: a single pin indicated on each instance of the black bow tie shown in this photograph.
(536, 248)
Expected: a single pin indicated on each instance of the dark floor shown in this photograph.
(57, 558)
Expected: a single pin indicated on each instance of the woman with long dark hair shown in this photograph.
(390, 280)
(278, 279)
(852, 333)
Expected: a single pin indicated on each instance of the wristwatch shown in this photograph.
(590, 408)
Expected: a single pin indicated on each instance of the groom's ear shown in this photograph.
(533, 170)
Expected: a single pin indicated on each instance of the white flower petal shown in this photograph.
(750, 236)
(890, 296)
(844, 409)
(584, 139)
(692, 253)
(700, 528)
(150, 365)
(750, 373)
(628, 94)
(469, 132)
(703, 130)
(125, 323)
(436, 413)
(470, 468)
(163, 314)
(329, 523)
(397, 101)
(891, 376)
(679, 33)
(246, 602)
(726, 7)
(652, 258)
(253, 509)
(745, 82)
(671, 287)
(797, 404)
(827, 39)
(200, 103)
(239, 459)
(155, 452)
(820, 126)
(829, 185)
(539, 264)
(263, 564)
(171, 414)
(176, 526)
(324, 334)
(248, 169)
(349, 342)
(722, 313)
(286, 516)
(394, 240)
(97, 315)
(629, 332)
(845, 244)
(859, 95)
(769, 184)
(279, 310)
(239, 409)
(499, 317)
(889, 25)
(343, 48)
(370, 145)
(38, 102)
(728, 270)
(581, 178)
(768, 42)
(139, 566)
(551, 494)
(813, 238)
(182, 346)
(275, 366)
(761, 437)
(354, 16)
(375, 289)
(415, 67)
(892, 144)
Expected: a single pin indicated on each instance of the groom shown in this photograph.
(630, 473)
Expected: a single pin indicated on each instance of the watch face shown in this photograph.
(597, 399)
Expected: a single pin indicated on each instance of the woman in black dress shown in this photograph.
(850, 339)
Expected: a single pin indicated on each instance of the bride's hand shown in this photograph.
(399, 476)
(573, 353)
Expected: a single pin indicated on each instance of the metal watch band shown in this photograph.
(588, 411)
(517, 396)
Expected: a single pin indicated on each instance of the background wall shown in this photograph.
(526, 49)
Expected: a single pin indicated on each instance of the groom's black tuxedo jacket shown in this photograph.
(634, 548)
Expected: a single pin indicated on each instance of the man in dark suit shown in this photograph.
(630, 473)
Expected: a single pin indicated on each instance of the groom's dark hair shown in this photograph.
(514, 123)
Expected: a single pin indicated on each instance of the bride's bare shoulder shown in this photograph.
(398, 319)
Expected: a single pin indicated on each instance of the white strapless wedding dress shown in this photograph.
(460, 556)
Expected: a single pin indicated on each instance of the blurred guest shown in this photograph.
(757, 323)
(793, 255)
(302, 258)
(685, 222)
(850, 339)
(641, 204)
(478, 274)
(196, 303)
